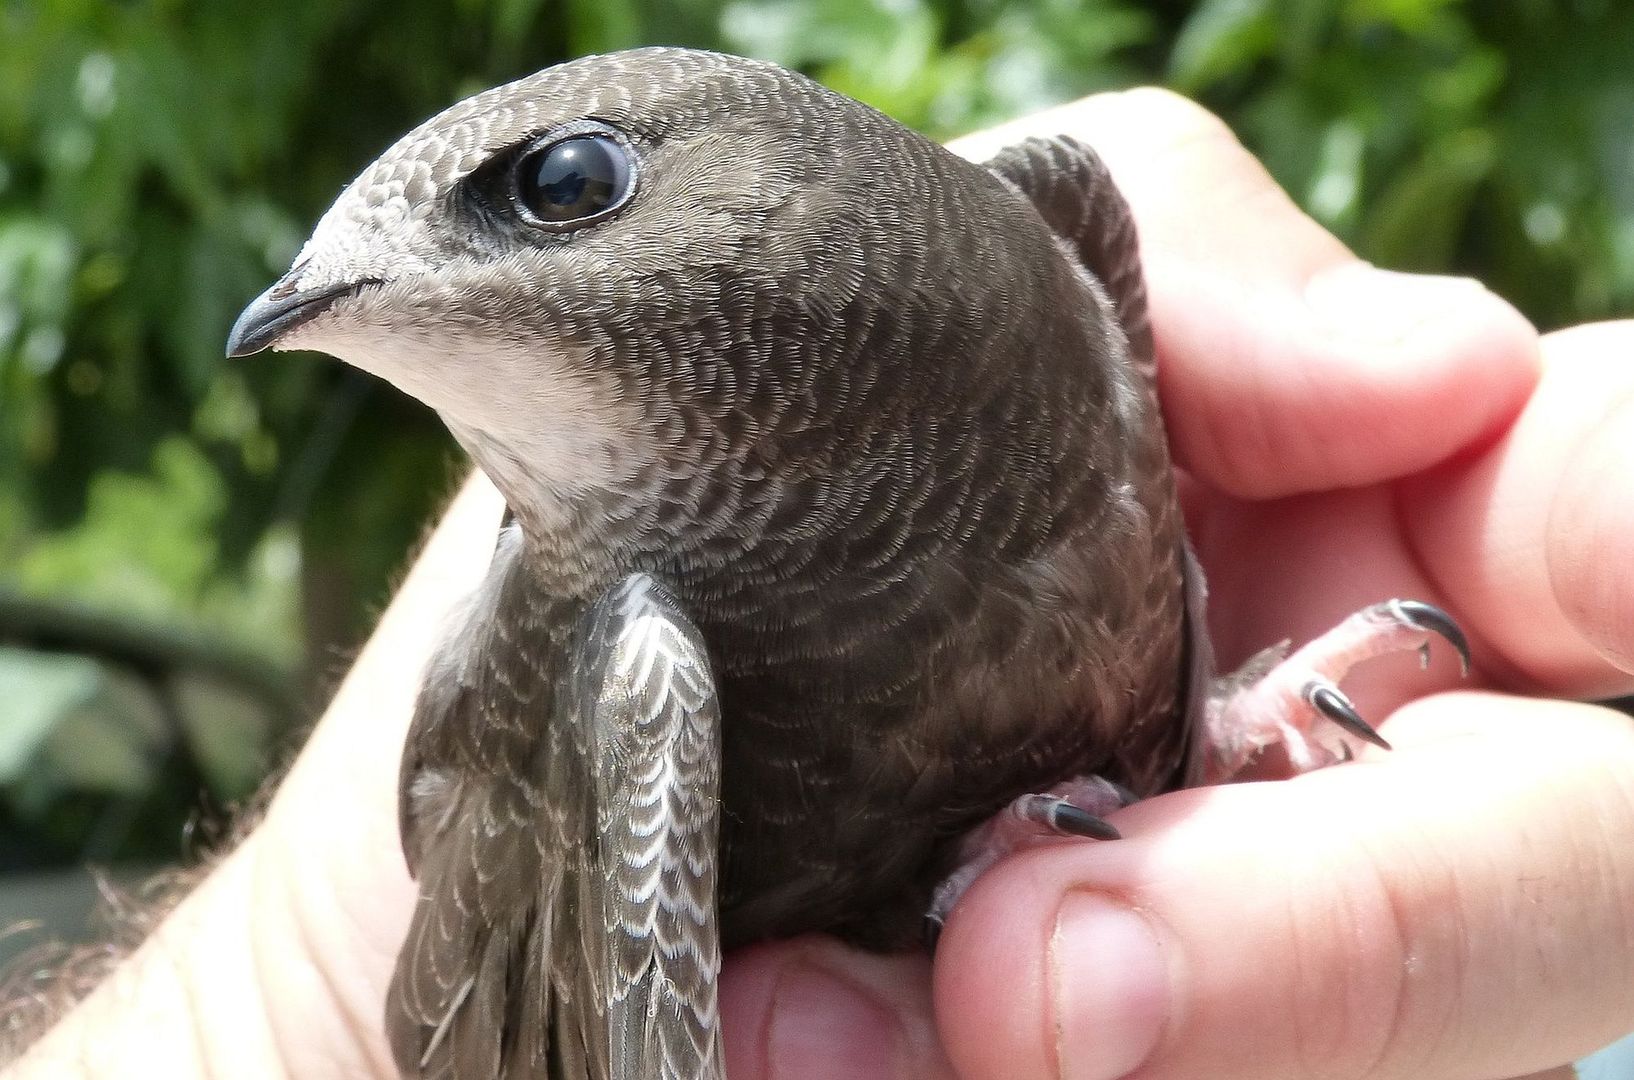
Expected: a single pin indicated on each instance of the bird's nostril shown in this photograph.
(287, 287)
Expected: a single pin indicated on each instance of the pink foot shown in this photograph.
(1071, 809)
(1274, 700)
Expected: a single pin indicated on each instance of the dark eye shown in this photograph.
(574, 179)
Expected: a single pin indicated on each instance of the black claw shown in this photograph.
(932, 931)
(1068, 818)
(1336, 707)
(1431, 618)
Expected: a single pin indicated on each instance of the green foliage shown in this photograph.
(1493, 140)
(161, 160)
(946, 68)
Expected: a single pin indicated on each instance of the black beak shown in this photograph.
(281, 309)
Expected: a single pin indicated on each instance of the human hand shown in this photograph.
(1333, 462)
(1460, 907)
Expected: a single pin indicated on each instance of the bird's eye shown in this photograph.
(574, 179)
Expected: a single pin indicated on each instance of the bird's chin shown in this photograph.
(528, 413)
(307, 338)
(378, 352)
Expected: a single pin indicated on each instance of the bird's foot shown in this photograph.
(1072, 809)
(1276, 700)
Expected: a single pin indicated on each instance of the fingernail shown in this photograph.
(1110, 988)
(825, 1028)
(1384, 306)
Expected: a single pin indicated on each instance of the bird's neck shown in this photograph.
(572, 485)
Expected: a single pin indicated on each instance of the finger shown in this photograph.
(1287, 365)
(1529, 541)
(1591, 520)
(282, 955)
(813, 1009)
(330, 876)
(1463, 907)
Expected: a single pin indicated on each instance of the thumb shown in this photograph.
(814, 1009)
(1461, 907)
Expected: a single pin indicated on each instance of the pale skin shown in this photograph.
(1461, 907)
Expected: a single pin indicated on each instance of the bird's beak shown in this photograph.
(281, 309)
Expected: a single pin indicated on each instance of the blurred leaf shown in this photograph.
(604, 25)
(902, 57)
(40, 690)
(1407, 15)
(74, 725)
(229, 733)
(1419, 217)
(110, 743)
(145, 539)
(1221, 38)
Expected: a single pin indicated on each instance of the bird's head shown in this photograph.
(595, 266)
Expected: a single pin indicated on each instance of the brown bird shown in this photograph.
(842, 521)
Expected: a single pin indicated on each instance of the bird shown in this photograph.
(842, 552)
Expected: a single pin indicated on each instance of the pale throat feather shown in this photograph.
(546, 430)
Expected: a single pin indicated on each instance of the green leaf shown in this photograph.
(604, 25)
(1221, 38)
(1422, 213)
(41, 690)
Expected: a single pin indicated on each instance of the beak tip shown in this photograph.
(257, 327)
(242, 339)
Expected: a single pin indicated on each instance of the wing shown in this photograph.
(497, 975)
(657, 747)
(1199, 669)
(1073, 192)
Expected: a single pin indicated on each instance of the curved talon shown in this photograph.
(1429, 617)
(1328, 701)
(1071, 809)
(1063, 817)
(1068, 818)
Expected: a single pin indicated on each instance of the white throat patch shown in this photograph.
(538, 422)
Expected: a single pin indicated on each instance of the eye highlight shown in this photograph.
(573, 180)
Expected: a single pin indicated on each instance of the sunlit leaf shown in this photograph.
(1420, 216)
(40, 691)
(1220, 38)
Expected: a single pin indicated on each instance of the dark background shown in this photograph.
(190, 549)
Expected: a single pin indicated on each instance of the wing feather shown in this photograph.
(497, 824)
(1074, 193)
(656, 728)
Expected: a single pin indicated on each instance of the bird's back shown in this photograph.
(1000, 605)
